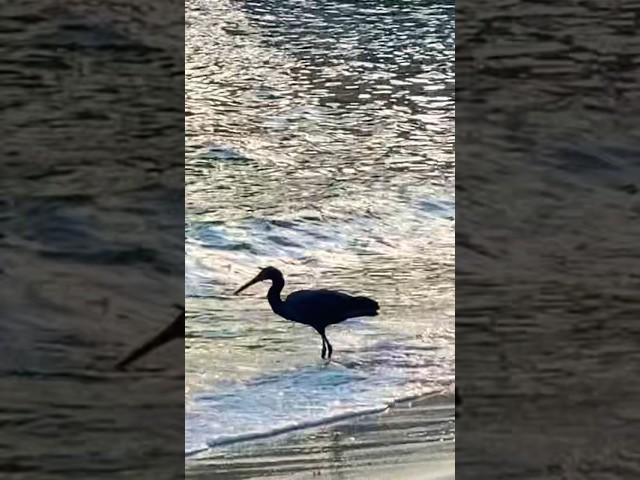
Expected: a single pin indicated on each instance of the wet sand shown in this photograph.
(411, 440)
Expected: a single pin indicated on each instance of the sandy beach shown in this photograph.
(411, 440)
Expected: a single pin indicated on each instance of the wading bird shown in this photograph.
(316, 308)
(172, 332)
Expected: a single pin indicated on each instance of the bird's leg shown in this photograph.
(326, 340)
(324, 347)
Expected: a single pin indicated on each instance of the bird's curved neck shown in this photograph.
(274, 294)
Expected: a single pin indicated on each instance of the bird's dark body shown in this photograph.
(321, 308)
(316, 308)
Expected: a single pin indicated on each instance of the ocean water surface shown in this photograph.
(91, 230)
(320, 141)
(547, 309)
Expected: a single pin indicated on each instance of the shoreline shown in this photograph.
(412, 439)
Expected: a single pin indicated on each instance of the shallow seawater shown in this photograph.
(319, 141)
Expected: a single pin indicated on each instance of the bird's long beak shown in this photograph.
(258, 278)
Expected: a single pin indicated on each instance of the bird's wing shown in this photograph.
(324, 297)
(324, 305)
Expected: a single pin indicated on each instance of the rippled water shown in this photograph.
(90, 249)
(547, 312)
(320, 141)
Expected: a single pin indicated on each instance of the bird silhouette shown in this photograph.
(173, 331)
(316, 308)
